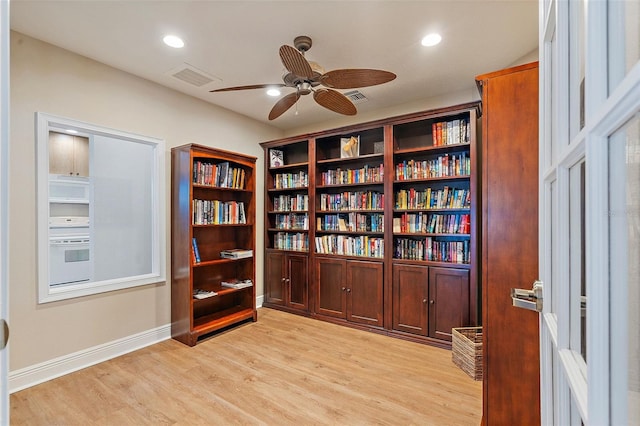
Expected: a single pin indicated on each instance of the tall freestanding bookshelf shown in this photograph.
(212, 241)
(375, 226)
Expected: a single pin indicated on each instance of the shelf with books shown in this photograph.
(216, 214)
(446, 130)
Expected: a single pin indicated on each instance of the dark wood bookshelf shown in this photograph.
(191, 318)
(383, 294)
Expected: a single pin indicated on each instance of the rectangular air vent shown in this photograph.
(356, 96)
(192, 75)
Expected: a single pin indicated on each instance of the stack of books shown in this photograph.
(234, 283)
(203, 294)
(236, 253)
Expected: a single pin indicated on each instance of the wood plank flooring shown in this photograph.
(282, 370)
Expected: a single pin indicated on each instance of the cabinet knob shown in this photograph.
(288, 280)
(424, 300)
(431, 301)
(284, 279)
(348, 290)
(344, 288)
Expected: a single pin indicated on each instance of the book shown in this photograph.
(222, 172)
(235, 283)
(203, 294)
(236, 253)
(196, 252)
(276, 158)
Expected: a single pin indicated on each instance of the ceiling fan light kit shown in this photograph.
(305, 76)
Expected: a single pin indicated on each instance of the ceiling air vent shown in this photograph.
(192, 75)
(356, 96)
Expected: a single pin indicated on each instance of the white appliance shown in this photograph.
(68, 189)
(70, 258)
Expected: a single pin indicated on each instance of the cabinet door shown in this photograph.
(410, 298)
(448, 301)
(364, 292)
(330, 274)
(297, 284)
(275, 278)
(80, 156)
(60, 154)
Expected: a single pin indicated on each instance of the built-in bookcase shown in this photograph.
(391, 208)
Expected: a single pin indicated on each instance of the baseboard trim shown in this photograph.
(48, 370)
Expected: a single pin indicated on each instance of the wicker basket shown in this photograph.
(466, 350)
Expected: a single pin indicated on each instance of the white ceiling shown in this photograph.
(237, 42)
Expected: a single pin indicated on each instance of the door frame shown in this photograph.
(4, 201)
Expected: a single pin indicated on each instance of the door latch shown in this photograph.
(528, 299)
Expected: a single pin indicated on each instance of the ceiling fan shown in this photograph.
(305, 76)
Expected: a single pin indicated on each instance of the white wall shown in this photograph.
(49, 79)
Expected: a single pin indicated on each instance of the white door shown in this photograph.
(4, 197)
(590, 211)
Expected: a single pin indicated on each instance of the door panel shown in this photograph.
(298, 281)
(410, 298)
(364, 292)
(448, 301)
(331, 276)
(274, 287)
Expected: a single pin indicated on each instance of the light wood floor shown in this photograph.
(282, 370)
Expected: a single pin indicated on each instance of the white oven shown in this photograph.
(70, 259)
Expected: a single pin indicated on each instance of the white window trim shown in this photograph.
(47, 293)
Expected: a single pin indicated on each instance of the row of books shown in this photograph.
(441, 166)
(291, 203)
(451, 132)
(359, 200)
(446, 198)
(291, 180)
(364, 245)
(366, 174)
(351, 222)
(433, 223)
(292, 221)
(221, 175)
(210, 212)
(432, 250)
(291, 241)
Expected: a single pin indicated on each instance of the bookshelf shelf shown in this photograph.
(230, 199)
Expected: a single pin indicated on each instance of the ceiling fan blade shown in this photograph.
(335, 101)
(253, 86)
(295, 62)
(283, 104)
(353, 78)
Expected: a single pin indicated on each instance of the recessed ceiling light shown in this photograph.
(431, 39)
(173, 41)
(273, 92)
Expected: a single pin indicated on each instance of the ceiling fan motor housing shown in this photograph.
(302, 43)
